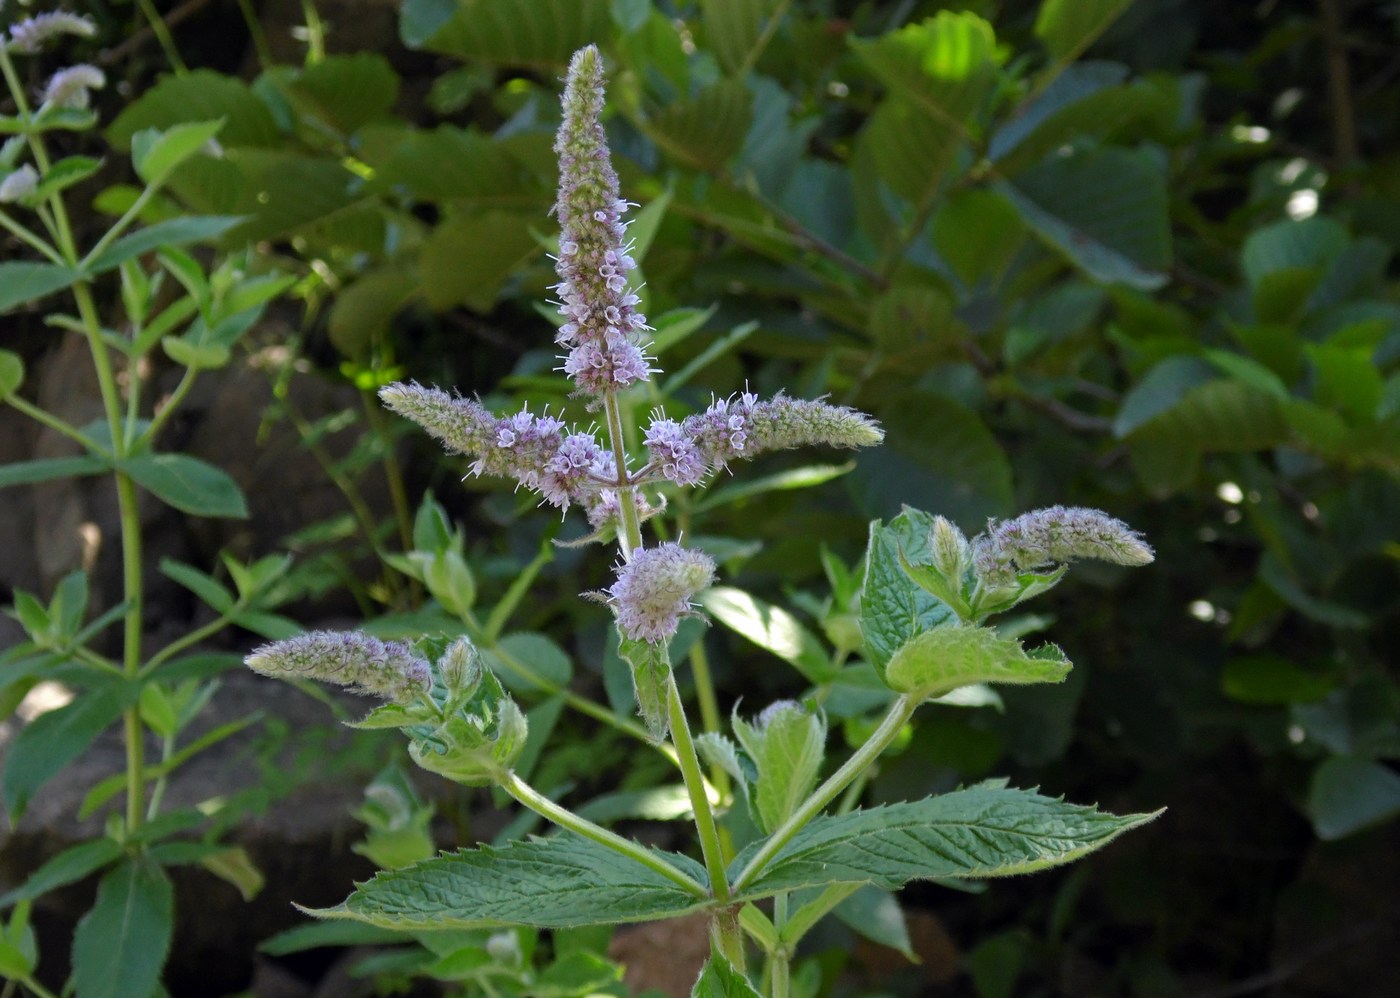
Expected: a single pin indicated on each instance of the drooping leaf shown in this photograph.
(188, 484)
(983, 831)
(771, 628)
(120, 945)
(1349, 794)
(939, 661)
(550, 883)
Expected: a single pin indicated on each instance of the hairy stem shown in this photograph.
(564, 818)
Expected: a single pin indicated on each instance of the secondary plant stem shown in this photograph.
(629, 533)
(900, 711)
(564, 818)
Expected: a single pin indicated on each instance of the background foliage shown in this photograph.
(1127, 255)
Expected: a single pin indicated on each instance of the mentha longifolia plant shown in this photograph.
(928, 593)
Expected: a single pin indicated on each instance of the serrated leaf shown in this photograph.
(119, 946)
(188, 484)
(771, 628)
(651, 669)
(984, 831)
(23, 281)
(549, 883)
(892, 608)
(936, 662)
(1068, 27)
(787, 745)
(1105, 209)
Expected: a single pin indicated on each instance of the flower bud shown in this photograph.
(460, 669)
(390, 669)
(952, 554)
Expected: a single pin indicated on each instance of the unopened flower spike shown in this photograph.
(390, 669)
(1053, 536)
(29, 34)
(654, 589)
(602, 326)
(70, 87)
(19, 185)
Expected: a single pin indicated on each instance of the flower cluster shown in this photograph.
(602, 324)
(1052, 536)
(653, 590)
(391, 669)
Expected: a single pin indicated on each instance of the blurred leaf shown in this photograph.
(1221, 416)
(468, 257)
(200, 95)
(538, 653)
(1068, 27)
(705, 130)
(1349, 794)
(47, 744)
(1272, 679)
(174, 232)
(771, 628)
(1159, 390)
(364, 311)
(11, 373)
(68, 867)
(978, 232)
(1291, 245)
(23, 281)
(538, 33)
(345, 92)
(1105, 209)
(733, 27)
(156, 153)
(876, 915)
(945, 64)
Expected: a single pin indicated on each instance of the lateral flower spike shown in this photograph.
(744, 427)
(1052, 536)
(602, 325)
(390, 669)
(71, 87)
(654, 589)
(29, 34)
(537, 451)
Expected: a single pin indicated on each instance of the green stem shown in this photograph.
(167, 410)
(393, 471)
(315, 33)
(781, 960)
(725, 925)
(564, 818)
(56, 424)
(162, 33)
(710, 721)
(256, 33)
(629, 530)
(167, 749)
(39, 990)
(900, 711)
(192, 638)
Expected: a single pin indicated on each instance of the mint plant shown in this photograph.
(928, 594)
(175, 310)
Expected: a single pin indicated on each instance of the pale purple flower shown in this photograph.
(390, 669)
(1053, 536)
(744, 427)
(674, 452)
(29, 34)
(69, 87)
(602, 326)
(654, 589)
(19, 184)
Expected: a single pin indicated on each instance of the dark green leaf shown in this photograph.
(346, 92)
(46, 469)
(120, 946)
(188, 484)
(984, 831)
(705, 130)
(538, 33)
(200, 95)
(561, 881)
(1271, 679)
(467, 258)
(1349, 794)
(68, 867)
(1068, 27)
(174, 232)
(23, 281)
(47, 744)
(892, 608)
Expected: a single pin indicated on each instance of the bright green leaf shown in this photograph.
(936, 662)
(188, 484)
(156, 154)
(771, 628)
(11, 373)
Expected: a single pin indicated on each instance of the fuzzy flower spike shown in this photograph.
(602, 326)
(1054, 536)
